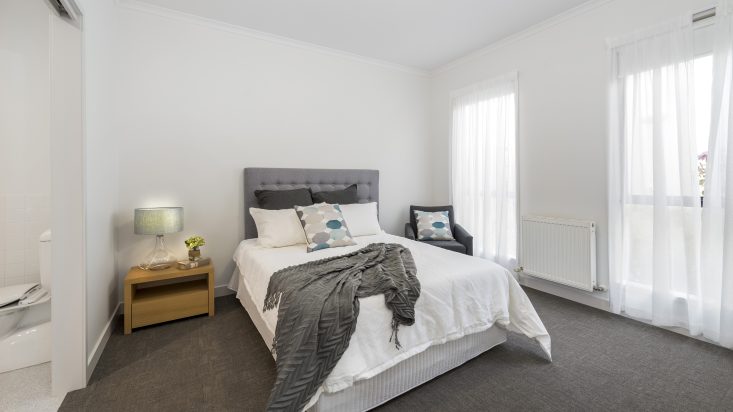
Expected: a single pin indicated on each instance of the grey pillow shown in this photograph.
(345, 196)
(283, 199)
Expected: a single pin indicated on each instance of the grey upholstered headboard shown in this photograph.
(256, 178)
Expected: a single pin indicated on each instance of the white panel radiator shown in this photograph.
(559, 250)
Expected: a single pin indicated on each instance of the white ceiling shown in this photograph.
(423, 34)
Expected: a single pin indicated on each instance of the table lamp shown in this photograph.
(158, 221)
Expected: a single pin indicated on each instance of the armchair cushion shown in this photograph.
(453, 245)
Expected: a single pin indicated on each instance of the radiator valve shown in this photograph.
(599, 288)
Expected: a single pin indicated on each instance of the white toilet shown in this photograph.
(25, 322)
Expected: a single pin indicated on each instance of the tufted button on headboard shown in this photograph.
(258, 178)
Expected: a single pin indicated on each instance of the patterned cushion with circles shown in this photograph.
(433, 225)
(324, 226)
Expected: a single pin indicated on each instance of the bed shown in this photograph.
(465, 306)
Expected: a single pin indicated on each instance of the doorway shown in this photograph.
(41, 202)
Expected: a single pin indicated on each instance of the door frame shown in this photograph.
(68, 260)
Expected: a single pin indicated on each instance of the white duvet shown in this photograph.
(460, 295)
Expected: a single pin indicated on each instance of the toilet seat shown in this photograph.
(12, 294)
(16, 307)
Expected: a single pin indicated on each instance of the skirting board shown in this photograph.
(598, 300)
(222, 290)
(93, 358)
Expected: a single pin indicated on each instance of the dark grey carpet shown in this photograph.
(601, 362)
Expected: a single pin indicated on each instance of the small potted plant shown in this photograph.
(193, 244)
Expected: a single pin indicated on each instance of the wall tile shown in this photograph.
(14, 256)
(14, 234)
(22, 220)
(14, 270)
(15, 280)
(14, 202)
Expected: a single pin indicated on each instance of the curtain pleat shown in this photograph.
(717, 220)
(670, 259)
(654, 218)
(483, 167)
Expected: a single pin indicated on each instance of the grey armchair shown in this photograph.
(463, 242)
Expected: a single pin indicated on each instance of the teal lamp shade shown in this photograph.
(158, 221)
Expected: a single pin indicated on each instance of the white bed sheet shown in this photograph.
(460, 295)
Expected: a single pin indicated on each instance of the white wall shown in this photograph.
(181, 105)
(25, 175)
(193, 103)
(563, 75)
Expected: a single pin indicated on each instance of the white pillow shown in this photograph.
(361, 218)
(277, 228)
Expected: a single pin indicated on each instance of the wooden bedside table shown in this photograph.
(151, 296)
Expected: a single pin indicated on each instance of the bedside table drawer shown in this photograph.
(163, 303)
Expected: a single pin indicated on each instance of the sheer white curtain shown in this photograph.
(484, 168)
(654, 197)
(717, 230)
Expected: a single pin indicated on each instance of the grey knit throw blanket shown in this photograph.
(318, 307)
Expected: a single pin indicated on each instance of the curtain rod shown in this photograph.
(702, 15)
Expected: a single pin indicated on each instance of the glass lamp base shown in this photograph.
(160, 258)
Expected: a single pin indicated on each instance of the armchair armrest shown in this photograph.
(464, 238)
(409, 233)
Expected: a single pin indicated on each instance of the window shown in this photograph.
(661, 99)
(483, 166)
(642, 115)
